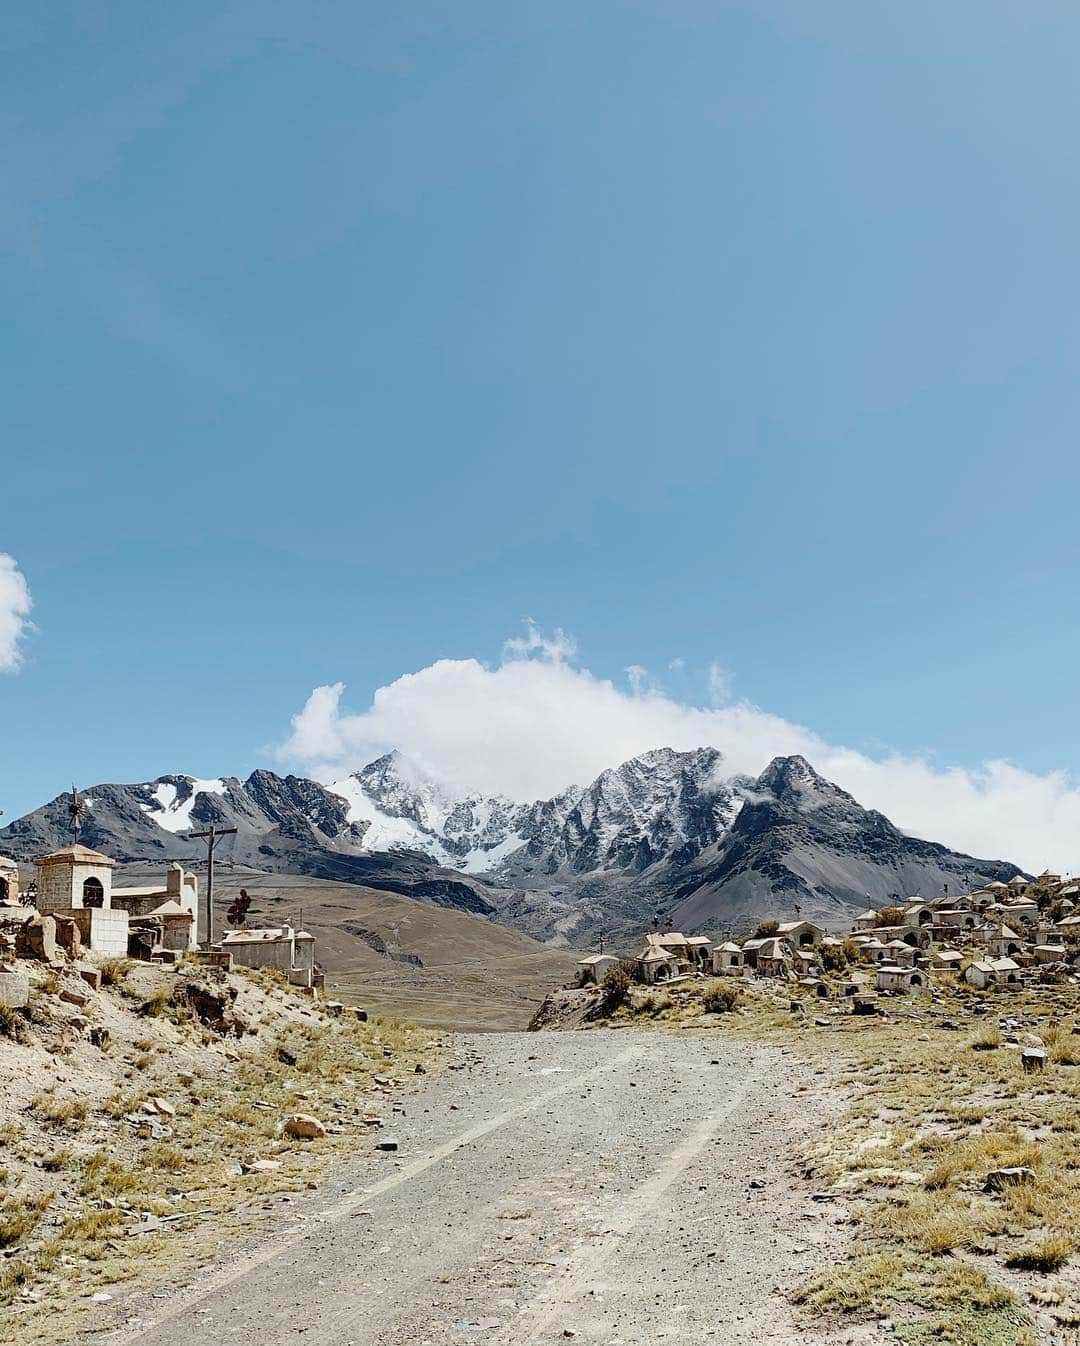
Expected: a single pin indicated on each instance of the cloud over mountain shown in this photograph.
(538, 721)
(15, 604)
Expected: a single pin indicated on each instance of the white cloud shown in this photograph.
(721, 682)
(15, 605)
(538, 722)
(558, 647)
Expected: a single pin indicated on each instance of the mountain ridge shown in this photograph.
(666, 834)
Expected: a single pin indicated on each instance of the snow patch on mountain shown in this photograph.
(172, 804)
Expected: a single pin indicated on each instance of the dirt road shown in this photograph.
(602, 1186)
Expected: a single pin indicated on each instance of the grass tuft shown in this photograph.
(1049, 1255)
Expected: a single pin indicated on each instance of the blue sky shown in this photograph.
(343, 337)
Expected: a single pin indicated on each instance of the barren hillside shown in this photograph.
(399, 957)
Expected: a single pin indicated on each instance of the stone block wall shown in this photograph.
(60, 886)
(103, 930)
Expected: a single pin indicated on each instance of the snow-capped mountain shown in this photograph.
(663, 804)
(396, 806)
(664, 831)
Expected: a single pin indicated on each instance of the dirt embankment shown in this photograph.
(144, 1124)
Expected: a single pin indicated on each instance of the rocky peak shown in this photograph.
(793, 780)
(401, 788)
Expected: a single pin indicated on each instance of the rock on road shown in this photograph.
(591, 1185)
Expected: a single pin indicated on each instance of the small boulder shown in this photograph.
(36, 938)
(91, 975)
(68, 935)
(75, 995)
(386, 1144)
(262, 1166)
(14, 988)
(303, 1126)
(1000, 1178)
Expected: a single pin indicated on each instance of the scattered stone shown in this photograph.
(1033, 1059)
(386, 1144)
(75, 995)
(90, 975)
(101, 1296)
(1000, 1178)
(68, 936)
(213, 1005)
(261, 1166)
(99, 1036)
(883, 1177)
(14, 988)
(36, 938)
(302, 1126)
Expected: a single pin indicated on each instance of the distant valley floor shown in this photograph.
(440, 968)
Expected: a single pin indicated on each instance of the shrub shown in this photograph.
(12, 1024)
(102, 1176)
(835, 958)
(59, 1112)
(890, 916)
(114, 970)
(721, 997)
(615, 988)
(19, 1218)
(13, 1276)
(155, 1005)
(766, 929)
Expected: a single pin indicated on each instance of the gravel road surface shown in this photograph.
(611, 1186)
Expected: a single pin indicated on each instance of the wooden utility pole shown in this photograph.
(211, 834)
